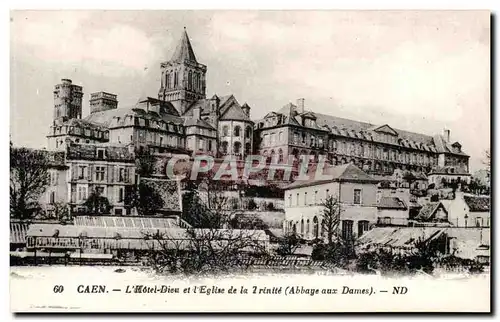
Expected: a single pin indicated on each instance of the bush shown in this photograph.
(252, 205)
(338, 253)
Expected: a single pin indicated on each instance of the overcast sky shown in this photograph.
(418, 71)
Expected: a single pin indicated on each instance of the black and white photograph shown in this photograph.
(250, 161)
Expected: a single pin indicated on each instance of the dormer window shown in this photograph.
(101, 153)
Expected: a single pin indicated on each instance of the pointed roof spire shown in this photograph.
(184, 51)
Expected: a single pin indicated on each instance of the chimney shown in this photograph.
(196, 113)
(300, 105)
(446, 134)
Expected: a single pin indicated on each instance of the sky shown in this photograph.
(420, 71)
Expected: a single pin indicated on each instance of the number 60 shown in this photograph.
(58, 289)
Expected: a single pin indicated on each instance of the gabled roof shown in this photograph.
(224, 99)
(428, 211)
(189, 121)
(234, 112)
(477, 203)
(344, 173)
(445, 147)
(184, 51)
(391, 203)
(385, 129)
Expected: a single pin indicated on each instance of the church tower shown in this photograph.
(182, 77)
(67, 101)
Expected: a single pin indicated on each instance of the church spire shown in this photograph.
(184, 51)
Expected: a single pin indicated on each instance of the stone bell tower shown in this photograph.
(182, 77)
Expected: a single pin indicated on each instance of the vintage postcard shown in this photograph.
(250, 161)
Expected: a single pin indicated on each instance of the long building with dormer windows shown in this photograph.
(377, 149)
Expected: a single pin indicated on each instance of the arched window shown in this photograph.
(280, 136)
(315, 227)
(237, 130)
(302, 227)
(237, 147)
(224, 146)
(225, 130)
(248, 132)
(307, 227)
(248, 148)
(190, 80)
(280, 153)
(176, 79)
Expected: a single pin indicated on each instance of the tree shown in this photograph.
(205, 251)
(146, 199)
(96, 204)
(477, 187)
(28, 180)
(331, 217)
(247, 221)
(288, 244)
(487, 160)
(251, 204)
(144, 162)
(58, 211)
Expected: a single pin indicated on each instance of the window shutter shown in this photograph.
(74, 172)
(109, 174)
(88, 175)
(73, 193)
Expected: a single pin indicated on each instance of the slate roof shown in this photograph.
(477, 203)
(168, 113)
(234, 112)
(114, 152)
(84, 123)
(428, 210)
(345, 172)
(391, 203)
(189, 121)
(445, 147)
(229, 108)
(357, 129)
